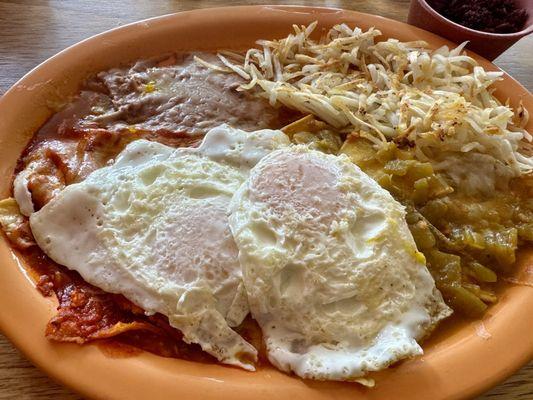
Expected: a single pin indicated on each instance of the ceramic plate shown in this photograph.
(458, 362)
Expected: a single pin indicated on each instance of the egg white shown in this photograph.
(331, 270)
(153, 226)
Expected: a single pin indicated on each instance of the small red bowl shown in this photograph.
(488, 45)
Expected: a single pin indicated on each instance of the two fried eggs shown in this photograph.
(313, 248)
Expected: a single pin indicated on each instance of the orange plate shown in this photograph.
(458, 362)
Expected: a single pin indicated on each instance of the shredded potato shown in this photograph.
(439, 102)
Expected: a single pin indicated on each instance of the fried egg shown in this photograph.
(332, 273)
(154, 227)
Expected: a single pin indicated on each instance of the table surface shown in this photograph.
(32, 31)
